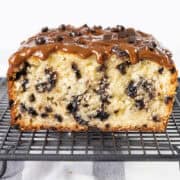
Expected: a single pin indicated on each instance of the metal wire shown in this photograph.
(88, 146)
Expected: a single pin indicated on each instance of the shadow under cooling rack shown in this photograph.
(88, 146)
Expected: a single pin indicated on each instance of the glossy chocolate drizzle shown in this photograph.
(85, 41)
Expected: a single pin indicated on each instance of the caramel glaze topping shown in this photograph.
(85, 41)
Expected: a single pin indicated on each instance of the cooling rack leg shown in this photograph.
(3, 168)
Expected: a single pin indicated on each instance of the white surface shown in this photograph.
(20, 19)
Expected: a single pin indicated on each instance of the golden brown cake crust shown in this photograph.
(85, 41)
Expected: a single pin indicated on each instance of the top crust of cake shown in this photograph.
(85, 41)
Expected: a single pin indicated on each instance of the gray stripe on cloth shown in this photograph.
(109, 170)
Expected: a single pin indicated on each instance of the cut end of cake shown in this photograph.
(69, 93)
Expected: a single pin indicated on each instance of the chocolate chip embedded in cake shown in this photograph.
(76, 70)
(48, 109)
(58, 117)
(32, 111)
(22, 71)
(49, 83)
(40, 40)
(123, 67)
(44, 115)
(156, 118)
(76, 78)
(131, 90)
(11, 102)
(32, 98)
(160, 70)
(168, 99)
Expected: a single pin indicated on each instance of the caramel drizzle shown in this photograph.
(85, 41)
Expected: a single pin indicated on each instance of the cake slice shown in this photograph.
(75, 79)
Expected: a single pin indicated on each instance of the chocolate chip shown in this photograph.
(76, 70)
(168, 99)
(44, 115)
(93, 31)
(32, 98)
(147, 86)
(80, 120)
(131, 89)
(45, 29)
(11, 102)
(107, 37)
(32, 111)
(104, 98)
(122, 67)
(74, 66)
(40, 40)
(156, 118)
(10, 78)
(85, 25)
(22, 108)
(131, 32)
(116, 111)
(74, 33)
(48, 109)
(118, 28)
(97, 27)
(151, 95)
(101, 68)
(62, 27)
(140, 104)
(122, 34)
(102, 115)
(72, 106)
(49, 84)
(160, 70)
(18, 75)
(107, 126)
(85, 105)
(78, 33)
(173, 70)
(47, 71)
(22, 71)
(169, 54)
(52, 76)
(59, 38)
(152, 45)
(144, 125)
(41, 87)
(17, 117)
(24, 84)
(131, 39)
(119, 52)
(58, 117)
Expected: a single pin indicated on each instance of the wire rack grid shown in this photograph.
(46, 145)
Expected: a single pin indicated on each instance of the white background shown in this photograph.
(21, 18)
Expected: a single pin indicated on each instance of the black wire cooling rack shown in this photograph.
(88, 146)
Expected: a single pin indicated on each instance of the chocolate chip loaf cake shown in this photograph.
(75, 79)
